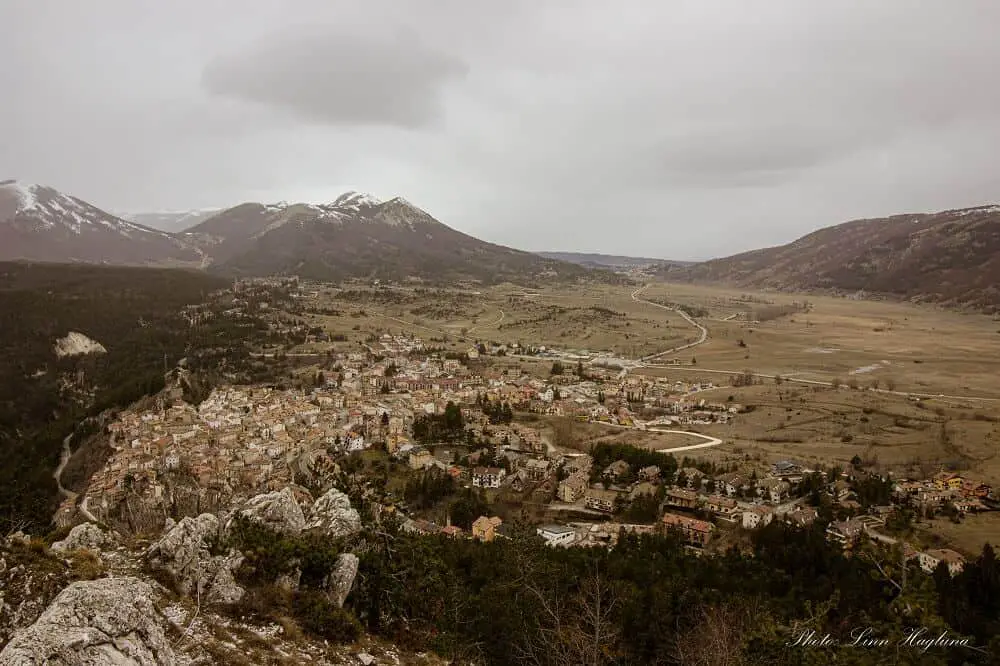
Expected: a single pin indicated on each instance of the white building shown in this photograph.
(488, 477)
(556, 535)
(758, 516)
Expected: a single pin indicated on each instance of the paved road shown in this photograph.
(63, 459)
(490, 325)
(57, 475)
(814, 382)
(711, 441)
(703, 331)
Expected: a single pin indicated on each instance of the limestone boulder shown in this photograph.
(339, 582)
(185, 551)
(278, 511)
(85, 536)
(111, 621)
(334, 516)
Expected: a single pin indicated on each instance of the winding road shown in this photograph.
(64, 457)
(703, 331)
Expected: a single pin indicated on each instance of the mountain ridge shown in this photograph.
(950, 258)
(355, 235)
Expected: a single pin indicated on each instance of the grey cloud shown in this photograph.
(685, 129)
(340, 74)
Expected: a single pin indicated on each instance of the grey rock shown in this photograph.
(185, 553)
(278, 511)
(339, 582)
(85, 536)
(111, 621)
(366, 659)
(333, 515)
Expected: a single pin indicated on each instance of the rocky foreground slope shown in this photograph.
(96, 597)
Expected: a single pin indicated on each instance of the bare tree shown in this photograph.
(580, 629)
(718, 635)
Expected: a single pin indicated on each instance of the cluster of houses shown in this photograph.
(946, 488)
(483, 528)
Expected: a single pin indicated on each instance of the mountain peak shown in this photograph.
(356, 200)
(24, 195)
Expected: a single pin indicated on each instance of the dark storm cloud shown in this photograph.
(340, 74)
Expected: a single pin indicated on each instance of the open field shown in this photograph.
(595, 318)
(914, 348)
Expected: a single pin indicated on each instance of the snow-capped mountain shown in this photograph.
(354, 235)
(171, 221)
(40, 223)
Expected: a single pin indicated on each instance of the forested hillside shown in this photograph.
(136, 314)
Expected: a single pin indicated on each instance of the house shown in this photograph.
(643, 488)
(757, 516)
(687, 499)
(650, 473)
(488, 477)
(452, 531)
(420, 458)
(801, 516)
(572, 488)
(536, 470)
(616, 469)
(773, 489)
(730, 483)
(947, 481)
(578, 463)
(840, 489)
(601, 500)
(786, 468)
(484, 528)
(930, 559)
(694, 477)
(724, 506)
(556, 535)
(846, 531)
(695, 532)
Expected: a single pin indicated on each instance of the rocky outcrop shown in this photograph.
(333, 514)
(185, 552)
(75, 344)
(278, 511)
(340, 581)
(107, 621)
(86, 536)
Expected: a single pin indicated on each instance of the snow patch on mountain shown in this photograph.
(75, 344)
(25, 193)
(355, 201)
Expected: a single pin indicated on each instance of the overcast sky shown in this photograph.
(681, 129)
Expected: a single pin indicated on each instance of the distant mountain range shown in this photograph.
(355, 235)
(597, 260)
(951, 258)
